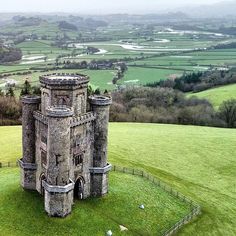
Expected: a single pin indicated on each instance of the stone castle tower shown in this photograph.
(65, 142)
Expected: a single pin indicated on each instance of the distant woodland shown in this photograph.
(9, 54)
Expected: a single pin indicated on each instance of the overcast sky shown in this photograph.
(96, 6)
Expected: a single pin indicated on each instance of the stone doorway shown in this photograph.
(42, 178)
(79, 188)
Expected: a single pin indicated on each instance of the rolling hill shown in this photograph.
(217, 10)
(200, 162)
(217, 95)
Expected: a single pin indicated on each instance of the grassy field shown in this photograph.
(10, 143)
(22, 213)
(198, 161)
(41, 53)
(218, 95)
(98, 78)
(139, 75)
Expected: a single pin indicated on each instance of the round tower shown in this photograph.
(30, 104)
(58, 185)
(99, 173)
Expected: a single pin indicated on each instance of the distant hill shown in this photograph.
(217, 10)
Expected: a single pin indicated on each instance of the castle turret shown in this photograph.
(58, 185)
(27, 163)
(99, 173)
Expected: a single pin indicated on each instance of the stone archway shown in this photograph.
(79, 188)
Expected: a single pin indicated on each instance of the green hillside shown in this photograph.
(200, 162)
(217, 95)
(22, 212)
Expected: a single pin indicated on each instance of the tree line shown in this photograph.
(169, 106)
(140, 104)
(9, 54)
(198, 81)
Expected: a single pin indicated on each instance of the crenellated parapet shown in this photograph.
(40, 117)
(64, 79)
(100, 100)
(59, 112)
(83, 119)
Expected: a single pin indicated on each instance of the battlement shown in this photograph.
(40, 117)
(88, 117)
(59, 111)
(30, 99)
(60, 79)
(99, 100)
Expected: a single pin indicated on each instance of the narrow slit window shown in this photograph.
(43, 157)
(78, 159)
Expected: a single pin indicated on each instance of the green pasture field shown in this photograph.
(197, 161)
(165, 66)
(139, 75)
(22, 213)
(217, 95)
(49, 29)
(194, 61)
(41, 47)
(98, 78)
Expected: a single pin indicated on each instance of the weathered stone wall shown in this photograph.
(58, 168)
(58, 204)
(99, 184)
(100, 134)
(46, 99)
(75, 98)
(41, 146)
(28, 179)
(29, 105)
(99, 181)
(82, 144)
(58, 151)
(27, 163)
(80, 101)
(62, 97)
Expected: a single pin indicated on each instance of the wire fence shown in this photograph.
(8, 164)
(195, 208)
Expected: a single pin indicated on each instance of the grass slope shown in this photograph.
(10, 144)
(198, 161)
(218, 95)
(22, 213)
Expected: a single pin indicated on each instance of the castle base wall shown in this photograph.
(28, 175)
(99, 184)
(58, 200)
(99, 180)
